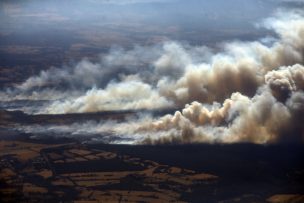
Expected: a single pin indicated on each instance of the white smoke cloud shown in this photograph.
(248, 92)
(86, 74)
(104, 131)
(123, 96)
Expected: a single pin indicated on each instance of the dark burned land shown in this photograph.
(65, 170)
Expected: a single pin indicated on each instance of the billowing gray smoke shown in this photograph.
(249, 92)
(260, 119)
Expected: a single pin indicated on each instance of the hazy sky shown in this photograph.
(141, 19)
(154, 12)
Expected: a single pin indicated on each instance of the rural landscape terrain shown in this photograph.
(67, 170)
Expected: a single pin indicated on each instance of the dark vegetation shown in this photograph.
(244, 169)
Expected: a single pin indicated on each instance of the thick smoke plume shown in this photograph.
(267, 98)
(260, 119)
(248, 92)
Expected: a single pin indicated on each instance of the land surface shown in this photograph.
(66, 170)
